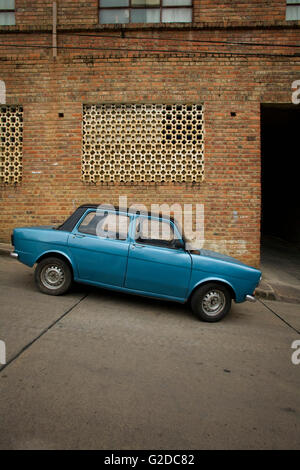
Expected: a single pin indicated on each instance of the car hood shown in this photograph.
(220, 256)
(217, 264)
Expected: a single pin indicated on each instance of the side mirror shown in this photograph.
(178, 244)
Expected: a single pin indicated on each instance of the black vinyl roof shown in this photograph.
(71, 221)
(126, 210)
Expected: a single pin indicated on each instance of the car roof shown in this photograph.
(71, 221)
(127, 210)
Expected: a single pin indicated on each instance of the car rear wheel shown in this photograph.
(53, 276)
(211, 302)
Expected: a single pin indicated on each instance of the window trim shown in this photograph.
(107, 211)
(130, 7)
(150, 243)
(8, 10)
(291, 4)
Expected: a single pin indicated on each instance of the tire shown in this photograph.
(53, 276)
(211, 302)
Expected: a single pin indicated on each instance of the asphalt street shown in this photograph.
(95, 369)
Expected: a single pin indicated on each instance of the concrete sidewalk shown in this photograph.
(280, 265)
(5, 248)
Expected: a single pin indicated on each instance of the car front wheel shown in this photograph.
(211, 302)
(53, 276)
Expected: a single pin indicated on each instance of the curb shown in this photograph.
(279, 292)
(6, 249)
(265, 291)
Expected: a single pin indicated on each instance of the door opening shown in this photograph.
(280, 152)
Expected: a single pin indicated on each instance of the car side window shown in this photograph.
(90, 222)
(154, 232)
(105, 225)
(114, 226)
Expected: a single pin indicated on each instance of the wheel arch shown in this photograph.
(215, 281)
(57, 254)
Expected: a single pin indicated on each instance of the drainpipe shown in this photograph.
(54, 30)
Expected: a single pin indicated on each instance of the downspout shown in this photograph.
(54, 30)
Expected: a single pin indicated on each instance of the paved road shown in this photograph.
(96, 369)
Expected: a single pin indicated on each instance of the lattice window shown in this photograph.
(11, 143)
(142, 143)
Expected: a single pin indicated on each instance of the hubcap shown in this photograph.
(52, 276)
(213, 302)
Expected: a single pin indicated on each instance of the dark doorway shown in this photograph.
(280, 152)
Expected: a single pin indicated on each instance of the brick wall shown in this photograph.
(38, 12)
(239, 10)
(231, 88)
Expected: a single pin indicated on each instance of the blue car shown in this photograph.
(136, 253)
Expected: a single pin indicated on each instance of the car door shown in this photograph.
(154, 264)
(99, 244)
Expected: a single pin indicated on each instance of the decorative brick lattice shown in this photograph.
(142, 143)
(11, 143)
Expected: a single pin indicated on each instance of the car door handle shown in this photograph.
(137, 246)
(78, 235)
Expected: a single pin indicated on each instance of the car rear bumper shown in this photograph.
(14, 255)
